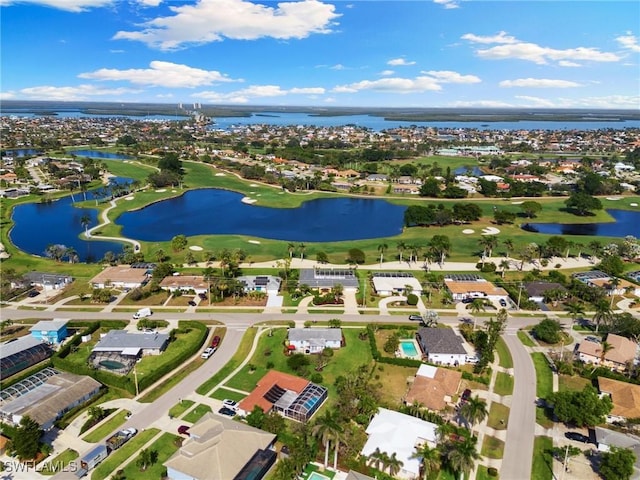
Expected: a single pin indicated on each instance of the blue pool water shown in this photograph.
(317, 476)
(409, 348)
(309, 404)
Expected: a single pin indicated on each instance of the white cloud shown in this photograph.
(392, 85)
(501, 37)
(386, 73)
(481, 103)
(447, 76)
(245, 95)
(338, 66)
(80, 92)
(400, 62)
(213, 20)
(75, 5)
(537, 102)
(447, 3)
(510, 48)
(606, 102)
(629, 42)
(161, 74)
(539, 83)
(567, 63)
(7, 95)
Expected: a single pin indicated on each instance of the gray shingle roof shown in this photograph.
(328, 278)
(121, 339)
(49, 325)
(441, 340)
(317, 334)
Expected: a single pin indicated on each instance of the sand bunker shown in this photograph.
(633, 204)
(162, 190)
(468, 231)
(614, 198)
(195, 248)
(490, 231)
(517, 203)
(221, 174)
(253, 185)
(248, 200)
(256, 242)
(128, 198)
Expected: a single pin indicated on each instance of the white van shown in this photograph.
(142, 313)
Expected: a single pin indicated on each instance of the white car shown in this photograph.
(232, 404)
(207, 353)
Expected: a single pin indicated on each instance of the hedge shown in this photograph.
(475, 378)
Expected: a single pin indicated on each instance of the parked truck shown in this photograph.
(118, 439)
(142, 313)
(91, 459)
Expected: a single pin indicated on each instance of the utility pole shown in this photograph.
(519, 294)
(564, 464)
(135, 376)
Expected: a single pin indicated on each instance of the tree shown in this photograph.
(474, 410)
(146, 458)
(477, 306)
(179, 242)
(394, 464)
(548, 330)
(382, 248)
(322, 257)
(612, 265)
(96, 413)
(582, 203)
(291, 247)
(302, 247)
(603, 313)
(85, 221)
(401, 246)
(440, 245)
(355, 255)
(584, 408)
(504, 266)
(508, 245)
(461, 457)
(488, 243)
(575, 310)
(430, 459)
(326, 429)
(26, 441)
(617, 464)
(530, 208)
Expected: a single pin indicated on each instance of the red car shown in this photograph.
(183, 430)
(215, 342)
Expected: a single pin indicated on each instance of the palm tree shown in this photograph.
(504, 266)
(596, 249)
(394, 464)
(613, 285)
(160, 255)
(603, 313)
(488, 243)
(477, 306)
(382, 248)
(291, 247)
(302, 247)
(376, 458)
(85, 221)
(508, 245)
(575, 310)
(430, 459)
(474, 410)
(461, 458)
(326, 428)
(441, 246)
(444, 430)
(605, 348)
(401, 246)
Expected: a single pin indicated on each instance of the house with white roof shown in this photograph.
(314, 340)
(395, 283)
(394, 432)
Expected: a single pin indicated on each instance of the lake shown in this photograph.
(627, 223)
(220, 212)
(99, 154)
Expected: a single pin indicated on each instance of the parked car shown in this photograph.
(33, 293)
(192, 303)
(466, 395)
(203, 296)
(577, 437)
(503, 302)
(227, 411)
(208, 352)
(591, 338)
(215, 341)
(471, 359)
(468, 300)
(183, 430)
(230, 404)
(415, 318)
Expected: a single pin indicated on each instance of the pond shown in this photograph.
(99, 154)
(218, 212)
(474, 171)
(627, 223)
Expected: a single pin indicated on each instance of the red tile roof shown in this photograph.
(273, 377)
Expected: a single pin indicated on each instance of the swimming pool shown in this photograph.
(317, 476)
(112, 364)
(408, 348)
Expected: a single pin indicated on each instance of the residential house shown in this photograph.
(119, 350)
(324, 279)
(314, 340)
(292, 397)
(622, 352)
(624, 396)
(222, 449)
(392, 433)
(262, 283)
(47, 281)
(463, 286)
(433, 387)
(185, 283)
(50, 331)
(395, 283)
(441, 346)
(121, 276)
(605, 439)
(536, 290)
(17, 355)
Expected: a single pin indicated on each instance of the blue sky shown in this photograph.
(419, 53)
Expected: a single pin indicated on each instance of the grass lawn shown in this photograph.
(113, 461)
(572, 383)
(181, 407)
(542, 417)
(542, 468)
(525, 339)
(56, 464)
(107, 427)
(222, 393)
(504, 384)
(171, 382)
(241, 353)
(394, 381)
(544, 376)
(165, 446)
(492, 447)
(483, 473)
(498, 412)
(504, 355)
(197, 413)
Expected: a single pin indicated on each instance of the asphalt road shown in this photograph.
(518, 451)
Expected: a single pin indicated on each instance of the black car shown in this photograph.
(192, 303)
(503, 302)
(415, 318)
(466, 395)
(468, 300)
(227, 411)
(33, 293)
(577, 437)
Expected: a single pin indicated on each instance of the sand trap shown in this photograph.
(490, 231)
(248, 200)
(468, 231)
(221, 174)
(633, 204)
(256, 242)
(517, 203)
(253, 185)
(614, 198)
(162, 190)
(280, 193)
(173, 191)
(195, 248)
(128, 198)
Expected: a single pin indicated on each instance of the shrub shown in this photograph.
(488, 267)
(492, 472)
(412, 299)
(316, 378)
